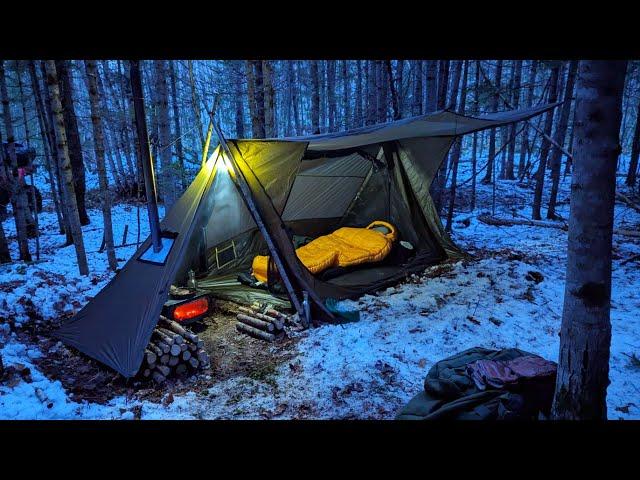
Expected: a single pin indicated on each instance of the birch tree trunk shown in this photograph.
(544, 149)
(488, 177)
(47, 143)
(559, 137)
(98, 143)
(164, 137)
(16, 185)
(65, 167)
(54, 155)
(75, 147)
(315, 97)
(585, 336)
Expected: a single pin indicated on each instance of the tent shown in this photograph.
(295, 188)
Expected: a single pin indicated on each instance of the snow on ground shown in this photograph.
(368, 369)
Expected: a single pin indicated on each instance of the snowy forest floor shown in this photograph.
(365, 370)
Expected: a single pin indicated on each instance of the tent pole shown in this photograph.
(145, 154)
(253, 209)
(205, 149)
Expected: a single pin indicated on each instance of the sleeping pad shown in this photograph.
(346, 247)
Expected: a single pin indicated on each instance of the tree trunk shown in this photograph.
(474, 148)
(196, 104)
(315, 97)
(544, 149)
(176, 123)
(346, 94)
(381, 85)
(443, 84)
(270, 127)
(416, 103)
(457, 147)
(488, 177)
(47, 143)
(331, 94)
(515, 99)
(260, 128)
(17, 185)
(65, 167)
(431, 104)
(585, 335)
(455, 85)
(392, 89)
(295, 97)
(73, 134)
(560, 135)
(371, 96)
(524, 145)
(98, 142)
(251, 98)
(238, 94)
(635, 153)
(358, 117)
(167, 174)
(54, 154)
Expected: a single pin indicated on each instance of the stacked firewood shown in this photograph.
(262, 323)
(173, 350)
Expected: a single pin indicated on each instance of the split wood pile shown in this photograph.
(172, 351)
(263, 324)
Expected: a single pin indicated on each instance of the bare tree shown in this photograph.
(488, 177)
(544, 149)
(331, 94)
(392, 88)
(559, 137)
(585, 336)
(176, 122)
(65, 167)
(17, 185)
(516, 81)
(98, 143)
(357, 116)
(346, 95)
(75, 145)
(270, 127)
(524, 145)
(315, 97)
(167, 176)
(416, 104)
(431, 103)
(635, 152)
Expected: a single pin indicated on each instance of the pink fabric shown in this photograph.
(498, 374)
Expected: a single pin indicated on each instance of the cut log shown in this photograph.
(184, 347)
(254, 332)
(192, 347)
(179, 329)
(164, 359)
(158, 377)
(186, 355)
(193, 361)
(175, 350)
(254, 322)
(163, 369)
(180, 369)
(155, 349)
(164, 347)
(173, 361)
(509, 222)
(163, 336)
(175, 338)
(146, 373)
(278, 323)
(203, 356)
(150, 357)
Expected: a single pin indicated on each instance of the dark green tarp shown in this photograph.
(302, 186)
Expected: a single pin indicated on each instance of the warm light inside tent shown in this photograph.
(189, 310)
(224, 163)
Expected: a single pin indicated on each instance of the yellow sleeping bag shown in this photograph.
(345, 247)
